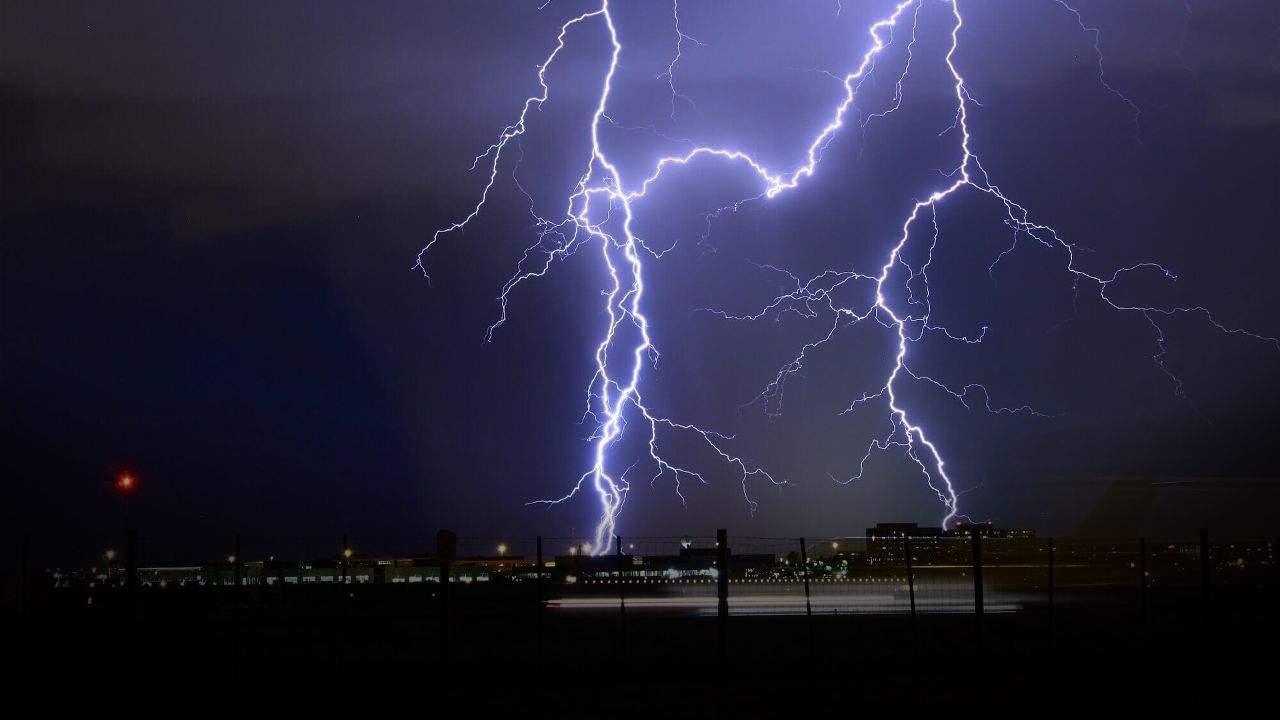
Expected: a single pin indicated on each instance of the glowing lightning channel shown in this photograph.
(670, 74)
(1102, 70)
(610, 392)
(903, 432)
(615, 385)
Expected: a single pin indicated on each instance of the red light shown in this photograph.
(125, 482)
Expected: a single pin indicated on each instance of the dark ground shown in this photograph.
(306, 642)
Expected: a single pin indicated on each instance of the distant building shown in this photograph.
(931, 545)
(899, 530)
(988, 530)
(885, 544)
(689, 562)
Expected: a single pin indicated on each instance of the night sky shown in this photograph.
(210, 212)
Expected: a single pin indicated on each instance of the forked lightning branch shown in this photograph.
(598, 216)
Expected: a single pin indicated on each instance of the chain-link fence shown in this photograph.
(351, 596)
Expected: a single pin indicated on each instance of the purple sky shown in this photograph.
(209, 214)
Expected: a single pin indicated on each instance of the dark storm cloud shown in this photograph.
(247, 111)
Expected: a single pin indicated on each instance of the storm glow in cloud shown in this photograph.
(598, 215)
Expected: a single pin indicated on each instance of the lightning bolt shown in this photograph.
(670, 74)
(599, 213)
(1102, 69)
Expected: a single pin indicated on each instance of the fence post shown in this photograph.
(911, 581)
(722, 590)
(239, 569)
(446, 549)
(622, 598)
(538, 589)
(977, 580)
(131, 595)
(340, 647)
(343, 554)
(1051, 599)
(1142, 591)
(808, 607)
(1204, 594)
(237, 602)
(22, 604)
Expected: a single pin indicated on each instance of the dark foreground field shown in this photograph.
(317, 639)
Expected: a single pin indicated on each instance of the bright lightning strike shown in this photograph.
(670, 74)
(599, 212)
